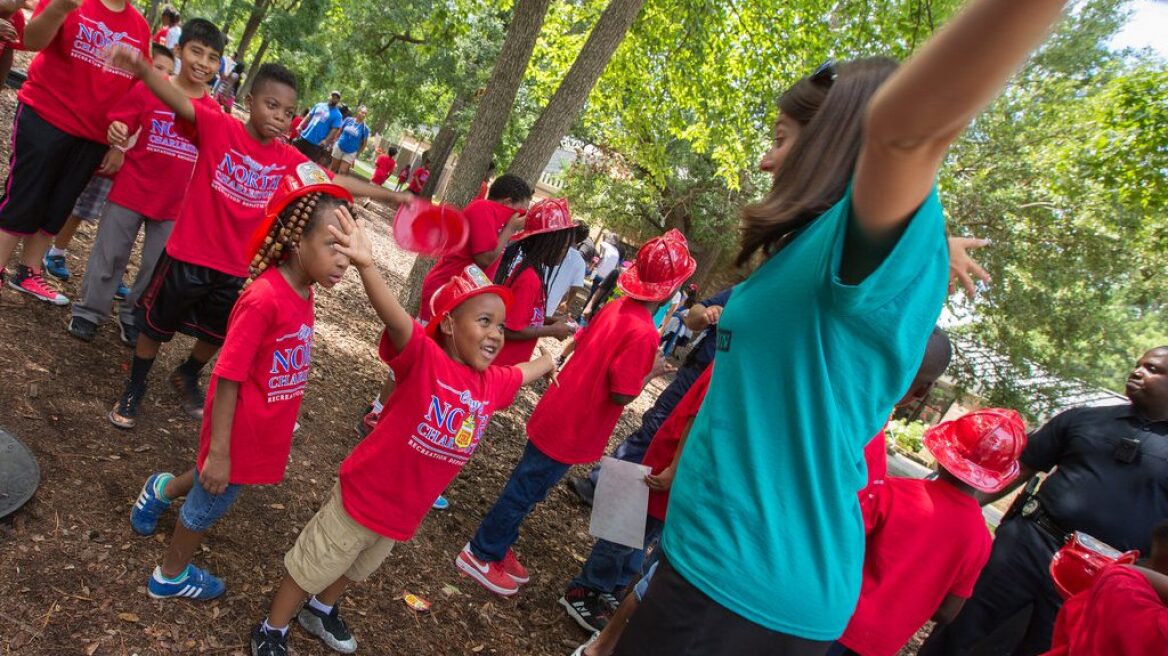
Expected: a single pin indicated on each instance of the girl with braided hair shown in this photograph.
(259, 379)
(547, 233)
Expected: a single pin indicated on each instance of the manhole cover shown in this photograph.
(19, 473)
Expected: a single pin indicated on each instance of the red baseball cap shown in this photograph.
(461, 288)
(662, 264)
(549, 215)
(1075, 566)
(980, 448)
(307, 178)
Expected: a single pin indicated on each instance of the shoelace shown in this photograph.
(36, 283)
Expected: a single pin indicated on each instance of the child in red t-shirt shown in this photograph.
(383, 166)
(930, 541)
(611, 362)
(136, 200)
(198, 277)
(547, 234)
(259, 379)
(59, 132)
(420, 176)
(448, 388)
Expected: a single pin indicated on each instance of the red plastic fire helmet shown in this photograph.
(549, 215)
(468, 284)
(306, 178)
(662, 264)
(428, 229)
(1082, 558)
(980, 448)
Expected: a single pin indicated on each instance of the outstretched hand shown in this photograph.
(351, 239)
(963, 269)
(128, 59)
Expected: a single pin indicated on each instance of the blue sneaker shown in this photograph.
(150, 504)
(122, 293)
(441, 503)
(55, 267)
(198, 584)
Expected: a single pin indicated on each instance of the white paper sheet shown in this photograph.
(620, 503)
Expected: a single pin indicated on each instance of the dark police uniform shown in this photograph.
(1111, 482)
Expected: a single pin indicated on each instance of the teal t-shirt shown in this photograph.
(764, 515)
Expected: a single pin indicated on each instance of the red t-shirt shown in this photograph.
(1120, 615)
(430, 427)
(233, 179)
(485, 219)
(160, 154)
(418, 179)
(526, 311)
(484, 189)
(294, 126)
(69, 84)
(18, 22)
(573, 421)
(268, 351)
(930, 541)
(876, 457)
(663, 448)
(382, 169)
(160, 35)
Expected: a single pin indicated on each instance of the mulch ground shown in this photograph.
(73, 574)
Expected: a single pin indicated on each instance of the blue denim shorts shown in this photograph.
(643, 585)
(201, 509)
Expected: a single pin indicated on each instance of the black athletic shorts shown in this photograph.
(309, 149)
(47, 170)
(188, 298)
(677, 619)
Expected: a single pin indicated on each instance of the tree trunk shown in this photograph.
(258, 12)
(444, 145)
(486, 130)
(569, 99)
(254, 68)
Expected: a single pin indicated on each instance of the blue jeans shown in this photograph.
(201, 509)
(635, 445)
(611, 567)
(534, 475)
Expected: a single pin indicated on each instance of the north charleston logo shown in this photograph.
(246, 181)
(92, 41)
(449, 431)
(289, 373)
(166, 140)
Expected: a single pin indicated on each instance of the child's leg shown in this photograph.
(289, 599)
(81, 160)
(107, 262)
(157, 233)
(530, 481)
(606, 640)
(199, 512)
(180, 486)
(63, 238)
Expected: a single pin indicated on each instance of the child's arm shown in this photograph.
(663, 481)
(133, 61)
(41, 29)
(354, 243)
(948, 610)
(542, 366)
(513, 225)
(216, 472)
(360, 188)
(926, 105)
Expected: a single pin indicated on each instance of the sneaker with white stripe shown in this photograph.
(197, 584)
(150, 505)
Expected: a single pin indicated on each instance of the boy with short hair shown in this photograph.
(196, 280)
(137, 199)
(58, 137)
(611, 363)
(929, 541)
(383, 166)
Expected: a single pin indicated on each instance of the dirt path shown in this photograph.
(73, 574)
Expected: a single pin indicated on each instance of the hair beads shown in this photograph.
(284, 235)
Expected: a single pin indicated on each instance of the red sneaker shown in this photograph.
(31, 282)
(514, 569)
(490, 575)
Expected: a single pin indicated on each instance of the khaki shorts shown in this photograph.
(332, 545)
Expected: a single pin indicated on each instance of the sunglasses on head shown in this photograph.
(825, 74)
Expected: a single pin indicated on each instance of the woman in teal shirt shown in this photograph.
(764, 544)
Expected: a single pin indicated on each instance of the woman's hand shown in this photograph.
(351, 239)
(962, 268)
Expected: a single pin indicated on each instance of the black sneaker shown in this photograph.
(583, 488)
(330, 628)
(268, 643)
(188, 388)
(125, 413)
(587, 608)
(128, 331)
(82, 329)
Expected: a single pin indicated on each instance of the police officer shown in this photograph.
(1111, 482)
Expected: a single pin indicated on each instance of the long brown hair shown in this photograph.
(815, 173)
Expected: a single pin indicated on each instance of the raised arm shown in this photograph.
(539, 367)
(354, 243)
(926, 104)
(133, 61)
(361, 188)
(487, 258)
(45, 25)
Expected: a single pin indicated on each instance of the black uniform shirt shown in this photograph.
(1093, 491)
